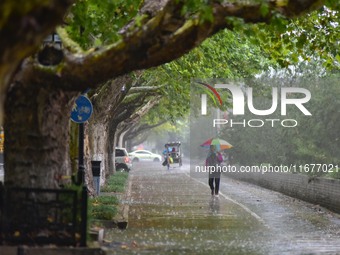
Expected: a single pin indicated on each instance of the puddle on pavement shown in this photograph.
(210, 227)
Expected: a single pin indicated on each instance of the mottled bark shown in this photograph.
(98, 138)
(36, 131)
(120, 142)
(105, 101)
(112, 126)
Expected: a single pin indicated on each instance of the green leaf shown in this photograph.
(264, 9)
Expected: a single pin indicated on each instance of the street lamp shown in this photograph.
(51, 53)
(53, 39)
(123, 89)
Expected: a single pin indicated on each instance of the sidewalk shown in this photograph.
(170, 212)
(173, 213)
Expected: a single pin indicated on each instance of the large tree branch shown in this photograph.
(165, 35)
(68, 43)
(107, 98)
(138, 128)
(126, 110)
(137, 115)
(22, 30)
(147, 89)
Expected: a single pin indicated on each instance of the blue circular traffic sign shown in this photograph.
(82, 110)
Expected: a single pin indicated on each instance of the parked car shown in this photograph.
(122, 160)
(144, 155)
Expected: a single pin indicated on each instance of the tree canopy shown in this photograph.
(47, 83)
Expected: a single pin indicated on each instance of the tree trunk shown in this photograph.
(97, 136)
(111, 141)
(37, 135)
(121, 139)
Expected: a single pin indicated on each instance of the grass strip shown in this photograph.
(105, 207)
(116, 182)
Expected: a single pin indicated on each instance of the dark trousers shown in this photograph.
(217, 185)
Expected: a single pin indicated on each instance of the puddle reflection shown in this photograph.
(214, 206)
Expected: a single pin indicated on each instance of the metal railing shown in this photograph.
(36, 216)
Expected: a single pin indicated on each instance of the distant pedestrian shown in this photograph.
(166, 154)
(212, 162)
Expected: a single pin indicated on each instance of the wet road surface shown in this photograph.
(173, 213)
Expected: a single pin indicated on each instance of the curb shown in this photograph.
(119, 221)
(122, 218)
(25, 250)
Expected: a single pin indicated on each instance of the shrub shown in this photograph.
(116, 182)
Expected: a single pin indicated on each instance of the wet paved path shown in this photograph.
(172, 213)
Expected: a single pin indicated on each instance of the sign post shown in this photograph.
(81, 112)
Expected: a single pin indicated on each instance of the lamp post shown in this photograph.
(53, 39)
(51, 53)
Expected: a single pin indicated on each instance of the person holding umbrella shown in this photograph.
(214, 159)
(212, 162)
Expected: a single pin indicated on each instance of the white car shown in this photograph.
(123, 161)
(144, 155)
